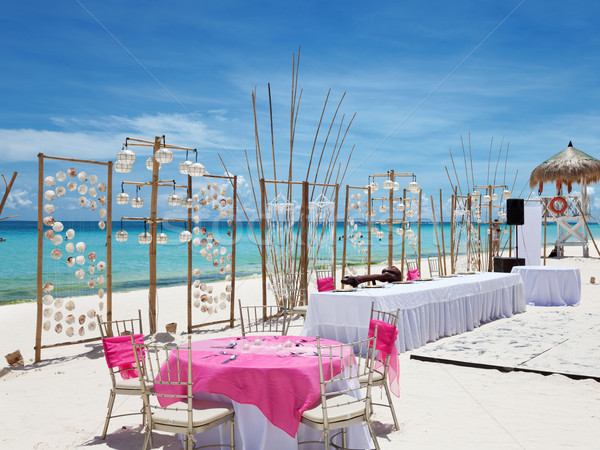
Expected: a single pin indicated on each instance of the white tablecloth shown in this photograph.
(429, 310)
(550, 285)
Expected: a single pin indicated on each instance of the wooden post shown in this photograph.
(344, 254)
(233, 253)
(468, 208)
(436, 236)
(335, 212)
(40, 256)
(152, 246)
(109, 242)
(442, 226)
(263, 238)
(403, 233)
(391, 223)
(369, 233)
(587, 227)
(189, 258)
(303, 246)
(452, 232)
(490, 222)
(419, 230)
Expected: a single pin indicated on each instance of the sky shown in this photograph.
(422, 78)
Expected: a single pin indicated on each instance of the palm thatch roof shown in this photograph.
(569, 166)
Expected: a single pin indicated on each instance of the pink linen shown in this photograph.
(386, 345)
(325, 284)
(413, 274)
(265, 375)
(118, 352)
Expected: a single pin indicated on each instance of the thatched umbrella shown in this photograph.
(569, 166)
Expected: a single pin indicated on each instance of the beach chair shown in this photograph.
(434, 267)
(383, 357)
(263, 319)
(412, 269)
(165, 378)
(120, 360)
(342, 403)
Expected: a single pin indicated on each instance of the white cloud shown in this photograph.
(19, 198)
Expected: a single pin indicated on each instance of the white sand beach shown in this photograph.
(60, 402)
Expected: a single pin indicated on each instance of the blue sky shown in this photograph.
(77, 77)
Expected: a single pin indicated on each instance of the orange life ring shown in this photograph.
(558, 205)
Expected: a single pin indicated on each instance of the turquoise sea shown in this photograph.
(18, 255)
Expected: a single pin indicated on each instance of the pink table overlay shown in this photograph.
(278, 374)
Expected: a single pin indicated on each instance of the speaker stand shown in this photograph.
(517, 241)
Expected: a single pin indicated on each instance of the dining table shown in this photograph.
(429, 309)
(270, 381)
(550, 285)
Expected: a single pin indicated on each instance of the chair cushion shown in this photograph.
(204, 412)
(132, 384)
(363, 379)
(299, 310)
(338, 409)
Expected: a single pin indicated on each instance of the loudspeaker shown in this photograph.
(506, 264)
(515, 211)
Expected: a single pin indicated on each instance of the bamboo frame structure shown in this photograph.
(40, 249)
(368, 224)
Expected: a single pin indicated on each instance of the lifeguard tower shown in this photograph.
(570, 211)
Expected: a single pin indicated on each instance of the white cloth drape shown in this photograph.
(550, 285)
(530, 235)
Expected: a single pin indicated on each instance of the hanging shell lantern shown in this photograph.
(174, 200)
(122, 198)
(187, 203)
(413, 187)
(162, 238)
(150, 164)
(388, 184)
(506, 193)
(163, 156)
(137, 202)
(185, 236)
(126, 156)
(121, 235)
(197, 170)
(184, 167)
(144, 238)
(122, 167)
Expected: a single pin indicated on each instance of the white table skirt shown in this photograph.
(253, 431)
(428, 310)
(550, 285)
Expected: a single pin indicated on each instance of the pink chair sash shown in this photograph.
(386, 345)
(413, 274)
(325, 284)
(118, 352)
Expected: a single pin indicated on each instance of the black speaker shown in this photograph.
(506, 264)
(515, 211)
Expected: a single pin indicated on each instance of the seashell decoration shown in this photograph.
(70, 332)
(79, 273)
(100, 279)
(57, 226)
(228, 278)
(71, 186)
(100, 293)
(60, 191)
(47, 312)
(91, 325)
(196, 230)
(48, 287)
(49, 181)
(92, 192)
(196, 241)
(203, 308)
(216, 263)
(196, 272)
(223, 214)
(61, 176)
(222, 260)
(229, 257)
(223, 202)
(229, 200)
(82, 176)
(56, 253)
(48, 221)
(91, 283)
(82, 189)
(223, 191)
(48, 208)
(91, 269)
(223, 305)
(196, 208)
(216, 253)
(58, 316)
(92, 256)
(210, 289)
(202, 252)
(228, 288)
(70, 305)
(49, 234)
(209, 247)
(58, 303)
(81, 319)
(93, 179)
(70, 261)
(215, 206)
(203, 287)
(82, 201)
(102, 187)
(101, 225)
(93, 205)
(47, 325)
(70, 319)
(102, 200)
(196, 219)
(101, 265)
(70, 247)
(196, 303)
(196, 294)
(222, 270)
(81, 331)
(202, 202)
(229, 222)
(196, 283)
(91, 313)
(70, 233)
(209, 257)
(47, 299)
(80, 259)
(215, 186)
(58, 328)
(80, 246)
(71, 172)
(100, 306)
(57, 239)
(102, 212)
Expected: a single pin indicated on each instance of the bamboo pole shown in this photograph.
(344, 254)
(437, 240)
(304, 246)
(419, 230)
(189, 259)
(7, 191)
(490, 221)
(152, 246)
(40, 256)
(263, 239)
(403, 233)
(335, 213)
(587, 226)
(391, 224)
(442, 226)
(452, 232)
(109, 242)
(233, 253)
(370, 239)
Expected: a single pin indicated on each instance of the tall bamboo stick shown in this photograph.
(437, 240)
(442, 226)
(40, 256)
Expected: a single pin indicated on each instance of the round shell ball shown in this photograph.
(49, 208)
(82, 176)
(70, 233)
(70, 319)
(58, 328)
(47, 313)
(70, 247)
(47, 299)
(50, 195)
(57, 226)
(60, 191)
(70, 332)
(48, 287)
(100, 279)
(196, 272)
(49, 234)
(82, 319)
(70, 305)
(49, 181)
(101, 266)
(71, 185)
(82, 201)
(61, 176)
(57, 239)
(91, 325)
(102, 201)
(58, 316)
(82, 189)
(58, 303)
(79, 273)
(80, 259)
(91, 313)
(80, 247)
(71, 172)
(47, 325)
(70, 261)
(196, 303)
(102, 187)
(93, 179)
(48, 221)
(56, 253)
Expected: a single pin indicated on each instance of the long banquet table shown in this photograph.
(429, 310)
